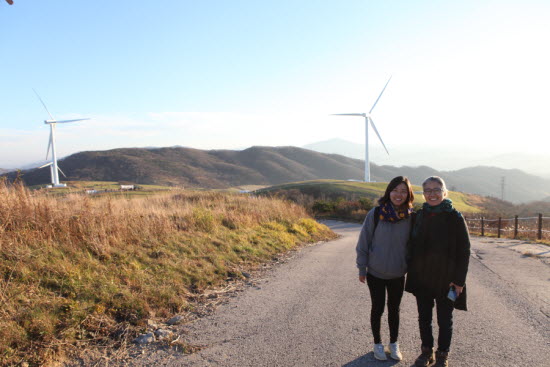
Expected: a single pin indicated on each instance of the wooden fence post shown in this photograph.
(515, 226)
(539, 234)
(499, 224)
(482, 227)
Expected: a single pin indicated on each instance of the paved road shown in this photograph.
(312, 311)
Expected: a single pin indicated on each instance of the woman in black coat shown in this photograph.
(438, 256)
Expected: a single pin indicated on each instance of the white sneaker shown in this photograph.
(379, 352)
(395, 353)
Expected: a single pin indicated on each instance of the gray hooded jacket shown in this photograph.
(383, 253)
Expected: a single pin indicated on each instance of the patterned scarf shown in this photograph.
(389, 214)
(446, 206)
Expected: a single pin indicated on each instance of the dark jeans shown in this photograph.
(444, 308)
(377, 288)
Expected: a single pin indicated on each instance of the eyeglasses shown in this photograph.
(432, 191)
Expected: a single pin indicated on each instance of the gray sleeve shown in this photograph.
(363, 244)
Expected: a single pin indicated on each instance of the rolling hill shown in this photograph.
(334, 189)
(214, 169)
(200, 168)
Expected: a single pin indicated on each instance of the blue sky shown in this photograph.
(468, 75)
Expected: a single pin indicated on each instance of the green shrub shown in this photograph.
(366, 203)
(321, 206)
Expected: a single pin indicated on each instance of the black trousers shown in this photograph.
(444, 309)
(377, 288)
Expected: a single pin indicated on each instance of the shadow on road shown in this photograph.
(368, 360)
(512, 245)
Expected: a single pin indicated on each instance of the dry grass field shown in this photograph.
(77, 269)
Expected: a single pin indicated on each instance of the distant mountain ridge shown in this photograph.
(216, 169)
(447, 158)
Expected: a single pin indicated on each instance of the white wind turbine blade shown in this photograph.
(46, 165)
(379, 137)
(348, 114)
(374, 105)
(65, 121)
(43, 104)
(59, 169)
(49, 144)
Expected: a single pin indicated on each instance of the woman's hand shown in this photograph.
(362, 278)
(458, 289)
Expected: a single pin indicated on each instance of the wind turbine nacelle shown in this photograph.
(47, 122)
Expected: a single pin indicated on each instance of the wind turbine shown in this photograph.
(368, 119)
(51, 144)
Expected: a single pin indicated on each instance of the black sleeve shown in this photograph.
(410, 246)
(462, 254)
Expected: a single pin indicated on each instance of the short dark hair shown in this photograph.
(392, 185)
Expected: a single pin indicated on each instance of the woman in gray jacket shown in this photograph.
(381, 259)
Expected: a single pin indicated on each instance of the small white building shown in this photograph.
(127, 187)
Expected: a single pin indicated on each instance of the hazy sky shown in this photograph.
(232, 74)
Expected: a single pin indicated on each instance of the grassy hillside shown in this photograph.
(350, 191)
(101, 187)
(77, 269)
(329, 189)
(107, 188)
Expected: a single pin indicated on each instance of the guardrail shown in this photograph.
(511, 227)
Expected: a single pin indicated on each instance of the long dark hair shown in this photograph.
(392, 185)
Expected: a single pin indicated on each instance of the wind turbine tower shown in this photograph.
(368, 118)
(54, 168)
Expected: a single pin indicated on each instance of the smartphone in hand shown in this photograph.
(452, 294)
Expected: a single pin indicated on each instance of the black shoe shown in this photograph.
(426, 358)
(441, 359)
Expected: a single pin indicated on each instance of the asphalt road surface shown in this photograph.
(313, 311)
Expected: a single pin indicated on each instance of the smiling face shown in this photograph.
(434, 193)
(399, 195)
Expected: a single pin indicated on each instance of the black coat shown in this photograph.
(438, 254)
